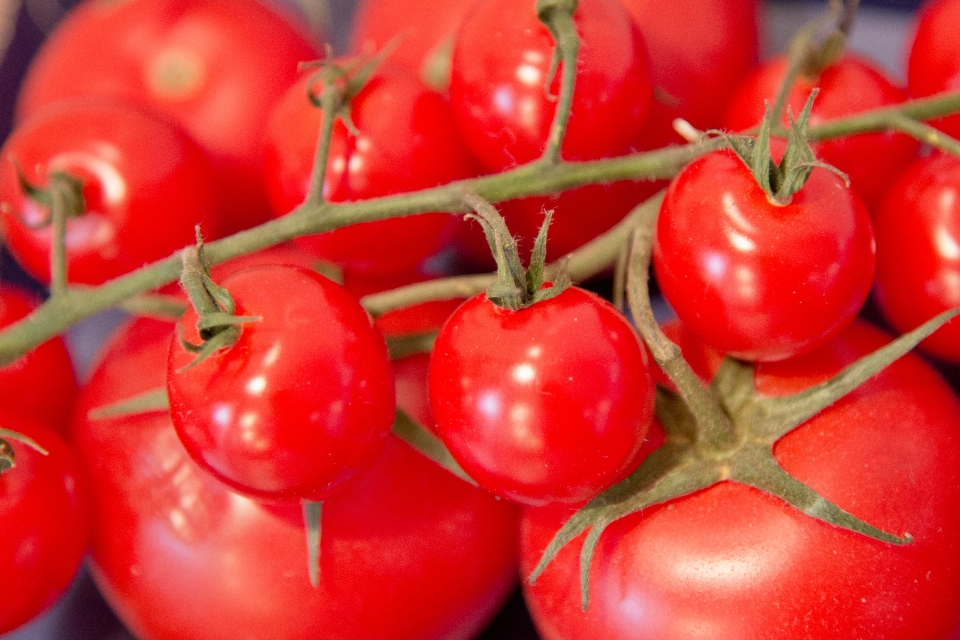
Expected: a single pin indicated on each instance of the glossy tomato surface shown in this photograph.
(933, 63)
(548, 403)
(405, 140)
(214, 67)
(44, 509)
(699, 50)
(851, 85)
(730, 562)
(918, 251)
(39, 386)
(408, 551)
(146, 185)
(501, 61)
(301, 403)
(757, 280)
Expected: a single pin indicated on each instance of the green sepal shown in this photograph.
(312, 513)
(44, 197)
(424, 442)
(150, 401)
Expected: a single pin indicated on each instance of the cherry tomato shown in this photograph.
(302, 402)
(423, 39)
(146, 185)
(408, 550)
(852, 84)
(40, 385)
(548, 403)
(757, 280)
(501, 60)
(918, 251)
(406, 141)
(933, 64)
(215, 68)
(731, 562)
(699, 50)
(45, 514)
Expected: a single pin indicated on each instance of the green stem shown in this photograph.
(330, 103)
(558, 17)
(61, 197)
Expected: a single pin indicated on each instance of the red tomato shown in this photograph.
(423, 38)
(850, 85)
(407, 141)
(757, 280)
(731, 562)
(918, 251)
(146, 185)
(699, 50)
(45, 514)
(548, 403)
(39, 386)
(300, 404)
(933, 65)
(216, 68)
(408, 551)
(500, 64)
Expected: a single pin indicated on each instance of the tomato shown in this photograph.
(215, 68)
(757, 280)
(918, 251)
(551, 402)
(146, 185)
(731, 562)
(852, 84)
(408, 550)
(407, 141)
(699, 50)
(40, 385)
(423, 38)
(501, 59)
(933, 64)
(300, 404)
(46, 526)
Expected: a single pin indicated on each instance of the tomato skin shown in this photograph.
(731, 562)
(408, 141)
(501, 59)
(40, 385)
(699, 50)
(762, 282)
(146, 186)
(548, 403)
(300, 404)
(918, 251)
(46, 523)
(852, 84)
(933, 63)
(393, 565)
(215, 68)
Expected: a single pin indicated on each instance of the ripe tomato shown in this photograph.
(40, 385)
(699, 50)
(918, 251)
(300, 404)
(146, 185)
(757, 280)
(852, 84)
(45, 514)
(731, 562)
(551, 402)
(407, 141)
(423, 38)
(408, 551)
(215, 68)
(501, 59)
(933, 65)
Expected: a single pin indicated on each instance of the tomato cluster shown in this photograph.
(371, 430)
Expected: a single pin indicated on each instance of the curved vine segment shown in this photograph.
(739, 450)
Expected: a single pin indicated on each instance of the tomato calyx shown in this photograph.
(781, 180)
(724, 432)
(218, 325)
(63, 190)
(516, 288)
(8, 457)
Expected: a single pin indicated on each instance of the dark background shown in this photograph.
(82, 615)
